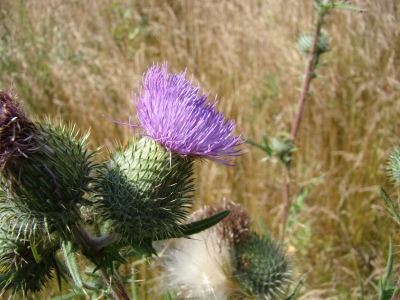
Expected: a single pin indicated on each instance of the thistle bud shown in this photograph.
(47, 169)
(305, 43)
(146, 191)
(54, 178)
(262, 268)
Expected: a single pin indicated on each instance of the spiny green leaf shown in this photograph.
(296, 290)
(36, 255)
(390, 205)
(264, 146)
(198, 226)
(115, 256)
(70, 260)
(389, 266)
(341, 5)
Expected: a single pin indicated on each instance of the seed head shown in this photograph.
(16, 131)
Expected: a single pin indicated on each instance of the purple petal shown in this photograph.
(171, 112)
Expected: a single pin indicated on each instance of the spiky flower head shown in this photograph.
(171, 112)
(55, 177)
(47, 169)
(146, 192)
(262, 268)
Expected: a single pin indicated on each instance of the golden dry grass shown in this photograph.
(81, 59)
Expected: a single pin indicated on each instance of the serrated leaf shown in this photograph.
(296, 290)
(390, 205)
(195, 227)
(198, 226)
(389, 266)
(340, 5)
(115, 256)
(264, 147)
(35, 253)
(70, 260)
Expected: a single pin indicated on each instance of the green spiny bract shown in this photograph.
(27, 259)
(262, 268)
(52, 179)
(146, 192)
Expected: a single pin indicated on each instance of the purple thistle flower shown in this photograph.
(170, 112)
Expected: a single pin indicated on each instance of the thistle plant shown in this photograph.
(227, 261)
(311, 47)
(51, 185)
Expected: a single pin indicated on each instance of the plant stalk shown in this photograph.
(95, 246)
(116, 286)
(311, 64)
(308, 75)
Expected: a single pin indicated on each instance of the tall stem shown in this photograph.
(308, 75)
(296, 123)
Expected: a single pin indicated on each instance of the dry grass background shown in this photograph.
(81, 59)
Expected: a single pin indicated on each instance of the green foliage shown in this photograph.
(70, 260)
(280, 146)
(324, 6)
(390, 205)
(387, 288)
(198, 226)
(262, 267)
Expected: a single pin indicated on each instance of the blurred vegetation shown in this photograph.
(79, 60)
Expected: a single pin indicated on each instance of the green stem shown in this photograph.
(95, 246)
(116, 286)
